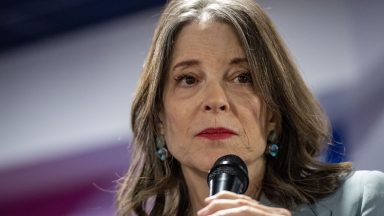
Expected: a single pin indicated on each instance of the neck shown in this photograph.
(197, 188)
(256, 173)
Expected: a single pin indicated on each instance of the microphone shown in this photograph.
(228, 173)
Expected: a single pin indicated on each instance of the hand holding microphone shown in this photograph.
(228, 180)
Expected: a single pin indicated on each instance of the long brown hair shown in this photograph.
(296, 176)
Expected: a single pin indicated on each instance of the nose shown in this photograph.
(215, 99)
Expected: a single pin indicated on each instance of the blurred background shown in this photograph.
(68, 70)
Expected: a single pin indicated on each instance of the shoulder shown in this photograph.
(365, 178)
(361, 193)
(364, 183)
(367, 175)
(370, 190)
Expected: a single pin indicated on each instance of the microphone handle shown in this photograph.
(227, 182)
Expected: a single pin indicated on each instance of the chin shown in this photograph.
(204, 164)
(204, 161)
(210, 159)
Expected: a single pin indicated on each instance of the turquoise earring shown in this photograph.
(273, 147)
(161, 151)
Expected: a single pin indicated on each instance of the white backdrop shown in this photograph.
(72, 93)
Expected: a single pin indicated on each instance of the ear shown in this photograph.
(272, 122)
(160, 124)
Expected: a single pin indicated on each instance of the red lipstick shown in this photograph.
(216, 133)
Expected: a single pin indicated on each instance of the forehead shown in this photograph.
(213, 37)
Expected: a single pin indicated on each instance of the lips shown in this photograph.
(216, 133)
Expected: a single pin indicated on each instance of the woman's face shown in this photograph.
(210, 108)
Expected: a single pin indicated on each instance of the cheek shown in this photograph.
(176, 127)
(176, 118)
(251, 110)
(252, 116)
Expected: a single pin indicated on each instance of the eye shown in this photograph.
(186, 80)
(244, 77)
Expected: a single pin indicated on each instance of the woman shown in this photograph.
(218, 80)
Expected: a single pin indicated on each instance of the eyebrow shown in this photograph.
(186, 63)
(193, 62)
(238, 60)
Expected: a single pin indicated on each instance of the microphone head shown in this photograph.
(230, 173)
